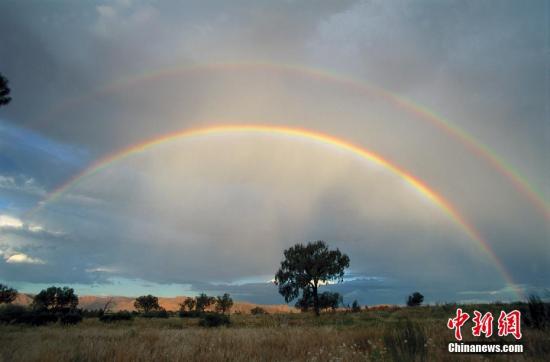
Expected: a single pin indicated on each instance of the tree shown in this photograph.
(327, 300)
(147, 303)
(355, 307)
(305, 266)
(203, 301)
(55, 299)
(4, 91)
(415, 299)
(188, 303)
(224, 303)
(7, 294)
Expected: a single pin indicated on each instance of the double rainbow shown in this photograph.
(467, 140)
(299, 133)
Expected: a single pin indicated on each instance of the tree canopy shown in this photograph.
(56, 299)
(305, 266)
(4, 91)
(7, 294)
(415, 299)
(147, 303)
(224, 303)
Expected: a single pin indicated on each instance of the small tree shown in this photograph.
(355, 307)
(7, 294)
(415, 299)
(55, 299)
(147, 303)
(327, 300)
(188, 303)
(203, 301)
(305, 266)
(258, 311)
(4, 91)
(224, 303)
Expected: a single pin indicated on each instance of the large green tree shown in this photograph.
(7, 294)
(4, 91)
(307, 266)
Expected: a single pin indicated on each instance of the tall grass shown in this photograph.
(415, 334)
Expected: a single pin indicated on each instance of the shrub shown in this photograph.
(7, 294)
(355, 307)
(258, 310)
(189, 314)
(539, 313)
(406, 342)
(38, 318)
(147, 303)
(70, 318)
(415, 299)
(161, 313)
(214, 320)
(115, 317)
(11, 313)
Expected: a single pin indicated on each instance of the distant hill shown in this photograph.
(171, 304)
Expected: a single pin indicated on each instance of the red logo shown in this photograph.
(508, 323)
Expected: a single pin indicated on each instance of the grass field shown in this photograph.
(398, 334)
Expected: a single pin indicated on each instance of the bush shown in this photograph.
(355, 307)
(539, 313)
(11, 313)
(214, 320)
(258, 310)
(115, 317)
(161, 313)
(415, 299)
(70, 318)
(38, 318)
(189, 314)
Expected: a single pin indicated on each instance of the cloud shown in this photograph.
(217, 210)
(7, 221)
(23, 259)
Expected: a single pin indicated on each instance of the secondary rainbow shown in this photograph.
(481, 151)
(322, 138)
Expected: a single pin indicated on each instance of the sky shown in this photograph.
(440, 89)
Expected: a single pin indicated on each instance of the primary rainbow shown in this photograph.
(322, 138)
(467, 140)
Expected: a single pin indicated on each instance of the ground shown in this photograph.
(393, 334)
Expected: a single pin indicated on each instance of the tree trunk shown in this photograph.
(316, 300)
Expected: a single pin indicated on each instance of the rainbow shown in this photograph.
(300, 133)
(467, 140)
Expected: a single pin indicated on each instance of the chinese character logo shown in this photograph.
(508, 324)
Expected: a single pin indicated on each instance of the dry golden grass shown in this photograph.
(374, 335)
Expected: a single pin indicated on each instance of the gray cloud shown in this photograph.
(220, 209)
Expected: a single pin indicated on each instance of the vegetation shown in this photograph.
(415, 299)
(214, 320)
(4, 91)
(327, 300)
(203, 301)
(147, 303)
(305, 266)
(56, 300)
(116, 317)
(224, 303)
(355, 307)
(379, 334)
(7, 294)
(258, 311)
